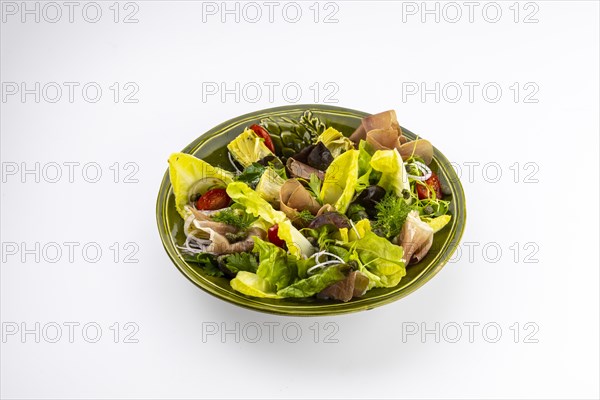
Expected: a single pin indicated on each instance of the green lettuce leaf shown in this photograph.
(340, 181)
(393, 174)
(360, 229)
(254, 203)
(335, 141)
(248, 148)
(274, 265)
(251, 284)
(315, 283)
(381, 258)
(184, 171)
(364, 166)
(297, 244)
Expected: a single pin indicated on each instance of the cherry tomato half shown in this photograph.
(273, 238)
(433, 183)
(262, 133)
(214, 199)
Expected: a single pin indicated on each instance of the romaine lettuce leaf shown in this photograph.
(340, 181)
(184, 171)
(393, 174)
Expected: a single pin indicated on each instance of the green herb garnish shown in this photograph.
(314, 186)
(251, 174)
(239, 262)
(206, 261)
(306, 216)
(391, 214)
(235, 217)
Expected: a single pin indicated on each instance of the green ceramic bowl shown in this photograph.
(211, 147)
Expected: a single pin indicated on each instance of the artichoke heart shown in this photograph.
(248, 148)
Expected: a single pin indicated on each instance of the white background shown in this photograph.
(371, 55)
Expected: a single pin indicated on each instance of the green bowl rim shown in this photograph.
(444, 253)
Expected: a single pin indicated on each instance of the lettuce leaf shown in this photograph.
(380, 258)
(364, 166)
(274, 265)
(297, 244)
(361, 228)
(248, 148)
(340, 181)
(335, 141)
(254, 203)
(393, 174)
(184, 171)
(251, 284)
(314, 284)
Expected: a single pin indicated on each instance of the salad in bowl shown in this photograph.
(306, 212)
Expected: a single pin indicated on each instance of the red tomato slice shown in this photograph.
(262, 133)
(433, 183)
(214, 199)
(273, 238)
